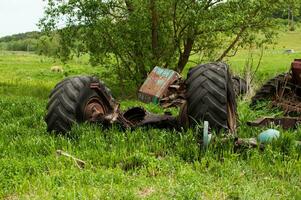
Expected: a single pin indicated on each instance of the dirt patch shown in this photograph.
(11, 197)
(145, 192)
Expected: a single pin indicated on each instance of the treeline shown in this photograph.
(21, 36)
(20, 42)
(32, 42)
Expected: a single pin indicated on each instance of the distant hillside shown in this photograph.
(21, 36)
(21, 42)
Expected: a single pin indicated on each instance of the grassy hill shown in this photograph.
(140, 164)
(274, 59)
(21, 36)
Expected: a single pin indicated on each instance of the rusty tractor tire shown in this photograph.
(210, 96)
(268, 90)
(67, 102)
(239, 85)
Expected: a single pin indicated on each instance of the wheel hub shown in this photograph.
(93, 109)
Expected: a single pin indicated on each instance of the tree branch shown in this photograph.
(233, 43)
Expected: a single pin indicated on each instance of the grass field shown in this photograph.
(142, 164)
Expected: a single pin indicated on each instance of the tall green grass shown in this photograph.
(167, 164)
(137, 164)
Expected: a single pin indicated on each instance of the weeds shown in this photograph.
(144, 163)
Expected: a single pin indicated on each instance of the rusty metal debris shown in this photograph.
(284, 90)
(107, 112)
(166, 87)
(87, 99)
(137, 117)
(140, 117)
(175, 95)
(163, 86)
(157, 84)
(284, 122)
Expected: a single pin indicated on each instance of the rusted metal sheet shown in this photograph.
(156, 85)
(284, 122)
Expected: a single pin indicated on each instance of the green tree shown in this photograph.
(48, 45)
(21, 45)
(136, 35)
(293, 11)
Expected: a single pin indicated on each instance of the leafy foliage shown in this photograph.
(136, 35)
(48, 45)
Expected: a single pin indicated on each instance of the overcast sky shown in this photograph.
(18, 16)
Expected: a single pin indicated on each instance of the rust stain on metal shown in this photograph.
(94, 108)
(100, 89)
(284, 122)
(156, 85)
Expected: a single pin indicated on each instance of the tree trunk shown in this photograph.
(292, 21)
(140, 69)
(184, 57)
(288, 17)
(155, 35)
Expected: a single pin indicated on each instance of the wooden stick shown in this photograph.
(79, 163)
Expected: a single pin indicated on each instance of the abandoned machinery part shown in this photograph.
(158, 85)
(167, 88)
(207, 94)
(86, 99)
(73, 100)
(175, 95)
(283, 90)
(269, 90)
(210, 97)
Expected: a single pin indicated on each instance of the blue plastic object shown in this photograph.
(268, 135)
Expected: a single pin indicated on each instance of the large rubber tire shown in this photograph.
(210, 96)
(239, 85)
(268, 90)
(67, 101)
